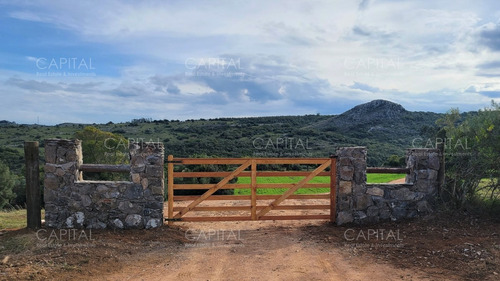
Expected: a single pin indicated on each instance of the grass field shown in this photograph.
(13, 219)
(371, 178)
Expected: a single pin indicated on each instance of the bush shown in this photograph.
(7, 182)
(100, 147)
(472, 150)
(395, 161)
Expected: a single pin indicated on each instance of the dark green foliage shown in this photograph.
(395, 161)
(7, 182)
(387, 130)
(472, 150)
(100, 147)
(14, 158)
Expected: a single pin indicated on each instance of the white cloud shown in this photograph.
(195, 89)
(304, 58)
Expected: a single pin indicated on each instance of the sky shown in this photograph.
(100, 61)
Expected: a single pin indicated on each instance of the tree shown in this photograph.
(395, 161)
(100, 147)
(472, 150)
(7, 182)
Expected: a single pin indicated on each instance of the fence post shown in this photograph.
(253, 185)
(170, 188)
(33, 197)
(333, 188)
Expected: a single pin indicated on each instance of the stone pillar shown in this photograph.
(62, 159)
(71, 202)
(361, 203)
(424, 167)
(146, 169)
(351, 173)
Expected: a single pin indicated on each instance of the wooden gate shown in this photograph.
(257, 205)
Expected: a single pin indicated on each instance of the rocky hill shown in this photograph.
(386, 128)
(380, 120)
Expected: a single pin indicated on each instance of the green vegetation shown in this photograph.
(100, 147)
(14, 218)
(371, 178)
(395, 161)
(7, 182)
(284, 136)
(472, 150)
(386, 129)
(383, 178)
(17, 243)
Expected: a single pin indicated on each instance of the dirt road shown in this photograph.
(448, 248)
(257, 252)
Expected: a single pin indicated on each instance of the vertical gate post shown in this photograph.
(170, 188)
(33, 198)
(333, 188)
(253, 186)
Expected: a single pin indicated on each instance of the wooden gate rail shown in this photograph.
(245, 174)
(247, 197)
(257, 212)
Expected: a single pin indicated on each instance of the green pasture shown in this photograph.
(371, 178)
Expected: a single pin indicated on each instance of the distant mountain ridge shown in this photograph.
(386, 128)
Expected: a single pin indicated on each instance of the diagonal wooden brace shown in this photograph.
(293, 189)
(211, 191)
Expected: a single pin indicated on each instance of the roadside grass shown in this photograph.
(14, 218)
(487, 201)
(371, 178)
(16, 244)
(485, 192)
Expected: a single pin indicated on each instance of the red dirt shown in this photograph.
(435, 248)
(398, 181)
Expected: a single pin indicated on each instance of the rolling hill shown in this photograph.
(386, 128)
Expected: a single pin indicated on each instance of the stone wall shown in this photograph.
(359, 202)
(71, 202)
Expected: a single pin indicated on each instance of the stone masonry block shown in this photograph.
(345, 187)
(432, 174)
(50, 153)
(144, 183)
(375, 191)
(345, 162)
(363, 201)
(154, 171)
(433, 161)
(360, 176)
(51, 181)
(346, 173)
(136, 178)
(344, 217)
(359, 188)
(344, 203)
